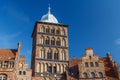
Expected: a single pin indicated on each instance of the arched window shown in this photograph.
(100, 75)
(91, 64)
(56, 55)
(49, 54)
(42, 40)
(55, 69)
(47, 41)
(49, 69)
(85, 75)
(53, 30)
(42, 29)
(47, 30)
(96, 64)
(63, 42)
(42, 53)
(92, 74)
(3, 77)
(53, 41)
(58, 42)
(58, 31)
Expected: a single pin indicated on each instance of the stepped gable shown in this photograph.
(109, 70)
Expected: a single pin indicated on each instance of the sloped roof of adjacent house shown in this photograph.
(7, 54)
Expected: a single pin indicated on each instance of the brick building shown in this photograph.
(49, 48)
(50, 57)
(91, 67)
(12, 66)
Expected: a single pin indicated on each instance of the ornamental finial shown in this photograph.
(49, 8)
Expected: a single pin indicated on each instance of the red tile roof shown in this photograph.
(7, 54)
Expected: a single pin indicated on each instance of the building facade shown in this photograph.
(91, 67)
(49, 48)
(12, 66)
(50, 58)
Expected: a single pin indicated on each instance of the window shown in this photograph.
(63, 55)
(53, 31)
(49, 69)
(53, 41)
(20, 72)
(85, 75)
(72, 73)
(3, 77)
(49, 55)
(91, 64)
(86, 64)
(42, 53)
(24, 73)
(41, 40)
(47, 41)
(56, 56)
(93, 75)
(57, 31)
(58, 42)
(42, 29)
(55, 70)
(47, 30)
(100, 75)
(96, 64)
(6, 64)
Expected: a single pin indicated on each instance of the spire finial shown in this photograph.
(49, 8)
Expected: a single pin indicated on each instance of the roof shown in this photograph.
(49, 17)
(7, 54)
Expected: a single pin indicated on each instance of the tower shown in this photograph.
(49, 48)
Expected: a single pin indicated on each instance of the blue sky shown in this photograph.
(92, 23)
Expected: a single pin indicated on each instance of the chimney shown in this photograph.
(89, 51)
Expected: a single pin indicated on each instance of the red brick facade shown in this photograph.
(12, 66)
(106, 65)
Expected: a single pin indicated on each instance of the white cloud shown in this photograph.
(117, 41)
(7, 40)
